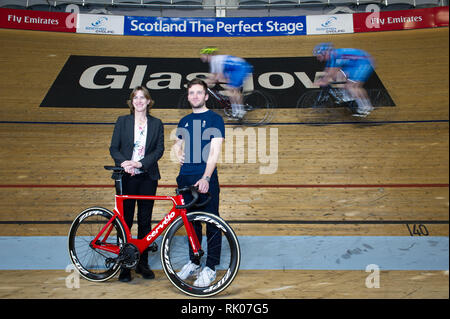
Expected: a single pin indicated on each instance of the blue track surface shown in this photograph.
(267, 252)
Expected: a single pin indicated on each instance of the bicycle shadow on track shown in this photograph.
(336, 116)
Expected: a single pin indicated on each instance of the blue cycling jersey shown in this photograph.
(345, 57)
(355, 63)
(234, 68)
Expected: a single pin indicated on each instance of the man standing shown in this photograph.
(202, 133)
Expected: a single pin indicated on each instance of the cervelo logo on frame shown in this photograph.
(167, 219)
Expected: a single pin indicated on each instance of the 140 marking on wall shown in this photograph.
(417, 230)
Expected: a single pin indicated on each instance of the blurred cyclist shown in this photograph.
(353, 66)
(230, 69)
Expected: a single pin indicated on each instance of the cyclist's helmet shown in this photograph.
(322, 48)
(208, 50)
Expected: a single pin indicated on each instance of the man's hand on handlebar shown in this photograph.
(202, 185)
(195, 194)
(322, 81)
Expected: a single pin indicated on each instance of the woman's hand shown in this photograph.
(130, 166)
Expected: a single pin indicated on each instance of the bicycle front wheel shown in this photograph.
(220, 246)
(258, 108)
(92, 263)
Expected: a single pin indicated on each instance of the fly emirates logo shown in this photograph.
(162, 225)
(395, 20)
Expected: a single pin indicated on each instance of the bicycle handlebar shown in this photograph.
(195, 194)
(192, 189)
(338, 82)
(115, 169)
(329, 84)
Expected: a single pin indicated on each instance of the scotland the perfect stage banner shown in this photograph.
(215, 27)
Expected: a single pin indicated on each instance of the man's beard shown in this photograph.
(198, 106)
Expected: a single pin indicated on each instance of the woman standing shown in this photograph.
(137, 144)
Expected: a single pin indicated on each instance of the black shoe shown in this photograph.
(125, 275)
(145, 271)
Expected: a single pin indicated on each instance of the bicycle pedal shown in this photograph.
(110, 261)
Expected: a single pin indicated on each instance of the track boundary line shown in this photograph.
(413, 185)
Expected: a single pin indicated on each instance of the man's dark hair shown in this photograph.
(197, 81)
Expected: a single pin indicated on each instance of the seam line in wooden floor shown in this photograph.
(234, 124)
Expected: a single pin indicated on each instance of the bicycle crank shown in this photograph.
(128, 257)
(198, 256)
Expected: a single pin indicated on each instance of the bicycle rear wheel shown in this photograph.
(91, 263)
(314, 104)
(220, 248)
(315, 99)
(258, 107)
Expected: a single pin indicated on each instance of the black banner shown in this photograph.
(106, 82)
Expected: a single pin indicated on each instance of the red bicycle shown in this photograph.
(100, 242)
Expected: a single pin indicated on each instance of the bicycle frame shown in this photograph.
(334, 90)
(145, 242)
(222, 99)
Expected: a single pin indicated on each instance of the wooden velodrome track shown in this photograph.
(382, 175)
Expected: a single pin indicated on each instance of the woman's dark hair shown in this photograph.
(147, 96)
